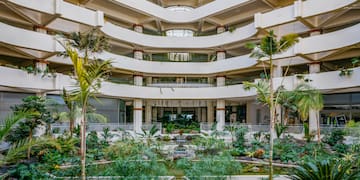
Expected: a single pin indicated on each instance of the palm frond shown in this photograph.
(10, 121)
(287, 41)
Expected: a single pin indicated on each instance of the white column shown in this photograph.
(198, 113)
(154, 114)
(314, 116)
(210, 112)
(178, 110)
(220, 106)
(220, 55)
(220, 29)
(148, 80)
(220, 114)
(138, 28)
(138, 105)
(148, 112)
(138, 54)
(138, 115)
(203, 114)
(41, 64)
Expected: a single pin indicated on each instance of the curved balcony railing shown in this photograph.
(82, 15)
(180, 85)
(321, 81)
(335, 40)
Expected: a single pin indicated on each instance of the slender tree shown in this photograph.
(89, 73)
(268, 47)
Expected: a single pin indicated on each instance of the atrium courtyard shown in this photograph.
(180, 89)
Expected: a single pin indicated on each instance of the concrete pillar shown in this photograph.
(203, 115)
(138, 115)
(220, 81)
(148, 113)
(154, 114)
(220, 29)
(220, 55)
(314, 116)
(220, 106)
(138, 106)
(41, 64)
(161, 112)
(178, 110)
(148, 80)
(138, 80)
(138, 54)
(277, 71)
(314, 67)
(220, 115)
(198, 113)
(138, 28)
(210, 112)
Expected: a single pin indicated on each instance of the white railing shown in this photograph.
(62, 127)
(149, 126)
(296, 129)
(181, 85)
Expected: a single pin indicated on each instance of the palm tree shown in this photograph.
(268, 47)
(89, 75)
(306, 99)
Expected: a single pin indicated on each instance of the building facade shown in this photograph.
(185, 57)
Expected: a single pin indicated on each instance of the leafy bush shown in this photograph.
(240, 137)
(335, 137)
(325, 169)
(218, 166)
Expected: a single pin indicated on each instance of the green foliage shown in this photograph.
(335, 137)
(279, 129)
(38, 115)
(341, 148)
(215, 166)
(209, 145)
(31, 171)
(240, 137)
(286, 150)
(10, 121)
(140, 166)
(325, 169)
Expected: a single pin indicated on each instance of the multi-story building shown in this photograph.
(185, 57)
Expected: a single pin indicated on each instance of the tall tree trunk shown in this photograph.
(272, 122)
(83, 144)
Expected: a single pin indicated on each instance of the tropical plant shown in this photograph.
(307, 98)
(89, 76)
(324, 170)
(268, 47)
(9, 123)
(38, 115)
(210, 167)
(150, 135)
(280, 129)
(335, 137)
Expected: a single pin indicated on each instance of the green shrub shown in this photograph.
(335, 137)
(324, 170)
